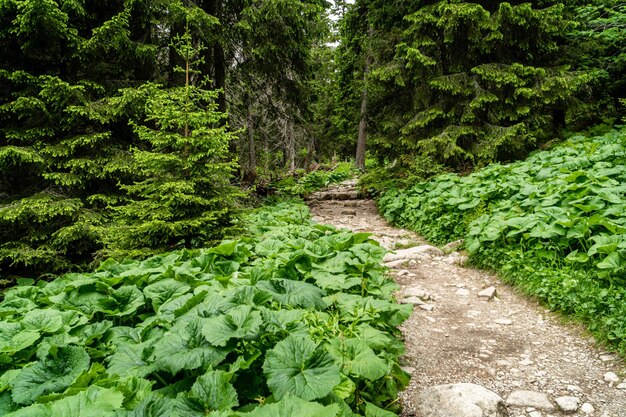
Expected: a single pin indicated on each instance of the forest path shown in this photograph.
(506, 344)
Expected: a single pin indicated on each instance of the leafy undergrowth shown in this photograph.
(553, 224)
(314, 181)
(295, 320)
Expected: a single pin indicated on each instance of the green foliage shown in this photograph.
(314, 181)
(552, 223)
(245, 328)
(181, 190)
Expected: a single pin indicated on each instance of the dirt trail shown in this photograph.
(506, 344)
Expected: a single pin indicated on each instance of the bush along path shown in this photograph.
(293, 320)
(474, 345)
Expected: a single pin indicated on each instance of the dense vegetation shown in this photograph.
(141, 130)
(553, 224)
(296, 319)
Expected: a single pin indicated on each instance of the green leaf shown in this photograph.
(358, 359)
(51, 374)
(240, 322)
(95, 401)
(214, 391)
(297, 366)
(293, 407)
(130, 360)
(334, 281)
(373, 411)
(186, 348)
(613, 261)
(123, 301)
(164, 290)
(45, 321)
(294, 294)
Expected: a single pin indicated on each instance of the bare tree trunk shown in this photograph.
(251, 145)
(362, 139)
(291, 147)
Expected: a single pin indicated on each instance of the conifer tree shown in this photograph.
(182, 196)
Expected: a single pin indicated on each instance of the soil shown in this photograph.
(505, 344)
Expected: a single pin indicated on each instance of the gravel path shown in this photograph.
(506, 343)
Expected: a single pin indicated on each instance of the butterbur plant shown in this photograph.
(252, 327)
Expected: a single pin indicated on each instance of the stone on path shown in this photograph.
(427, 307)
(587, 408)
(416, 292)
(567, 404)
(534, 399)
(488, 293)
(452, 246)
(503, 322)
(413, 300)
(611, 377)
(413, 253)
(462, 292)
(459, 400)
(622, 385)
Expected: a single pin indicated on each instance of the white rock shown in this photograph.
(534, 399)
(413, 263)
(504, 322)
(622, 385)
(452, 246)
(587, 408)
(427, 307)
(413, 300)
(567, 404)
(413, 253)
(459, 400)
(606, 358)
(395, 264)
(416, 292)
(526, 362)
(611, 377)
(535, 414)
(403, 272)
(462, 292)
(460, 260)
(488, 293)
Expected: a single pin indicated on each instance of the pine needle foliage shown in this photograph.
(181, 195)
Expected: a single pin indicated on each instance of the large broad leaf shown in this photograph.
(214, 392)
(334, 281)
(165, 290)
(44, 321)
(123, 301)
(51, 374)
(297, 366)
(95, 401)
(13, 338)
(293, 407)
(373, 411)
(155, 405)
(358, 359)
(294, 294)
(186, 348)
(239, 323)
(35, 410)
(131, 360)
(614, 261)
(84, 299)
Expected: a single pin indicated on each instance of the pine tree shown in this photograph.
(181, 196)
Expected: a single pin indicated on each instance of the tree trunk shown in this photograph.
(251, 146)
(362, 139)
(291, 146)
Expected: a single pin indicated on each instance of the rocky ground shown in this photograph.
(468, 327)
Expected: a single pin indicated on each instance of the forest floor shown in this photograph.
(508, 344)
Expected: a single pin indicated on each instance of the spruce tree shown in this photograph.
(181, 196)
